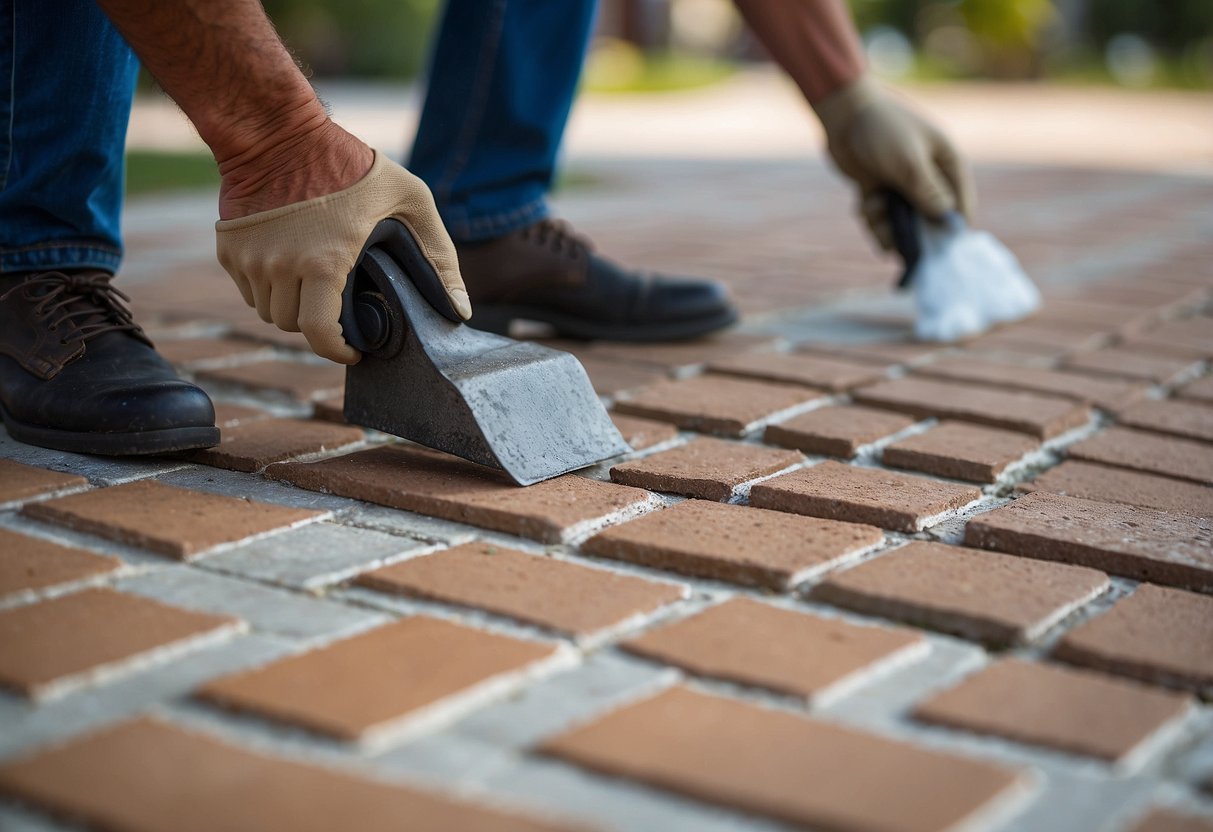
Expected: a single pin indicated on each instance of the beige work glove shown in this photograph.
(292, 262)
(879, 143)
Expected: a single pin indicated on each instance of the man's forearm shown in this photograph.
(813, 40)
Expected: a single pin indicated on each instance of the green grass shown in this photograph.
(156, 171)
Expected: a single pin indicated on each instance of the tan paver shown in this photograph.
(1035, 414)
(252, 446)
(837, 491)
(1200, 390)
(789, 652)
(35, 563)
(999, 599)
(1141, 543)
(1169, 820)
(1108, 394)
(555, 594)
(733, 543)
(295, 379)
(643, 433)
(716, 404)
(368, 687)
(836, 431)
(1120, 485)
(960, 451)
(166, 519)
(1131, 363)
(60, 643)
(1057, 707)
(827, 373)
(773, 763)
(1185, 459)
(148, 774)
(704, 467)
(1157, 634)
(444, 486)
(19, 481)
(1172, 416)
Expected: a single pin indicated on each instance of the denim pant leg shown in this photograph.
(502, 80)
(66, 82)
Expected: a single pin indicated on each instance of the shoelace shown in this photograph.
(82, 305)
(558, 237)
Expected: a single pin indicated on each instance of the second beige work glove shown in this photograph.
(879, 143)
(292, 262)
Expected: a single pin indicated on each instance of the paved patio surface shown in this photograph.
(845, 582)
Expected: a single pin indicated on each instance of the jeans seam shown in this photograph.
(12, 103)
(475, 109)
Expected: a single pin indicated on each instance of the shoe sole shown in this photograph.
(497, 319)
(137, 443)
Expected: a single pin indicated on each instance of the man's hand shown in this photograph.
(879, 143)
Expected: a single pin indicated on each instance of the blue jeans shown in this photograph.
(502, 80)
(66, 81)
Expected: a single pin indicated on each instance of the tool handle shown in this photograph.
(905, 224)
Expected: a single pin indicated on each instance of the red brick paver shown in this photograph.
(1140, 450)
(19, 481)
(366, 687)
(1036, 414)
(1130, 363)
(229, 415)
(186, 351)
(1142, 543)
(836, 431)
(445, 486)
(1176, 417)
(555, 594)
(716, 404)
(1167, 820)
(837, 491)
(778, 764)
(1119, 485)
(1108, 394)
(165, 519)
(294, 379)
(1193, 336)
(643, 433)
(254, 445)
(1157, 634)
(824, 372)
(789, 652)
(1200, 390)
(28, 563)
(1057, 707)
(734, 543)
(705, 467)
(148, 774)
(64, 642)
(1001, 599)
(960, 451)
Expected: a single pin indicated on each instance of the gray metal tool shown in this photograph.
(427, 377)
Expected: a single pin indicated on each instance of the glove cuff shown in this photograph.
(839, 108)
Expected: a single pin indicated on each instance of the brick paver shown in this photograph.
(188, 351)
(1142, 543)
(555, 594)
(610, 378)
(886, 353)
(254, 445)
(643, 433)
(837, 491)
(1036, 414)
(1000, 599)
(166, 519)
(1185, 459)
(149, 774)
(1130, 363)
(798, 770)
(1193, 336)
(677, 356)
(370, 687)
(444, 486)
(824, 372)
(1108, 394)
(960, 451)
(1199, 390)
(293, 379)
(62, 643)
(836, 431)
(789, 652)
(716, 404)
(734, 543)
(705, 467)
(1176, 417)
(228, 415)
(1157, 634)
(1057, 707)
(1169, 820)
(1119, 485)
(19, 481)
(28, 563)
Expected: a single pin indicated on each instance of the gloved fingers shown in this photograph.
(246, 290)
(924, 185)
(875, 211)
(956, 171)
(262, 294)
(320, 321)
(420, 213)
(284, 304)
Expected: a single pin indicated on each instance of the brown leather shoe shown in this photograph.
(78, 374)
(545, 272)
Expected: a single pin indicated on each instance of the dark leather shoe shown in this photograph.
(77, 373)
(547, 273)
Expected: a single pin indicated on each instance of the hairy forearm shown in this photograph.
(813, 40)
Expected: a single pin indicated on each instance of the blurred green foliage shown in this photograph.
(1169, 25)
